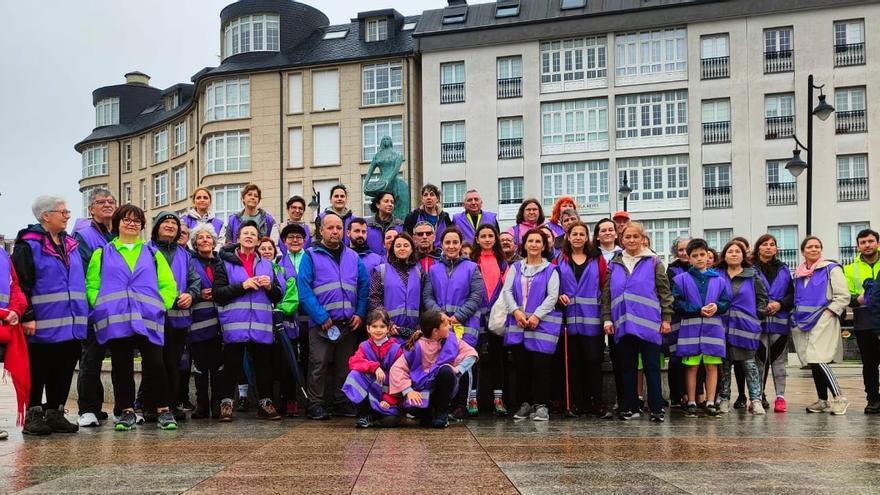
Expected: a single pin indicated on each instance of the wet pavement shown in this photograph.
(794, 452)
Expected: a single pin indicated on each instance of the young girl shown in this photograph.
(428, 372)
(367, 383)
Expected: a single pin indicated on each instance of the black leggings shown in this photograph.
(153, 377)
(532, 375)
(52, 369)
(233, 356)
(175, 339)
(444, 385)
(585, 354)
(824, 379)
(207, 362)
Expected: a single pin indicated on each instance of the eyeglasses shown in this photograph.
(130, 221)
(423, 234)
(108, 202)
(295, 237)
(65, 213)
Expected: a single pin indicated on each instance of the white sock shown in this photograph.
(498, 394)
(243, 391)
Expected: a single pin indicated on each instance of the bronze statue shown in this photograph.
(388, 162)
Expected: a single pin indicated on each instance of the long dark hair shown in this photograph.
(430, 320)
(566, 244)
(596, 231)
(546, 253)
(721, 263)
(520, 215)
(496, 247)
(411, 259)
(756, 255)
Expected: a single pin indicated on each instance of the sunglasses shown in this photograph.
(423, 234)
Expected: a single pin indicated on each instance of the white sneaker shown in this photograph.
(819, 406)
(724, 406)
(839, 406)
(139, 418)
(757, 408)
(87, 420)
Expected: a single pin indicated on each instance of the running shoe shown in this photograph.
(242, 404)
(541, 413)
(267, 410)
(362, 422)
(523, 412)
(757, 408)
(839, 406)
(125, 422)
(225, 411)
(691, 411)
(472, 409)
(740, 403)
(166, 421)
(779, 405)
(500, 408)
(88, 420)
(819, 406)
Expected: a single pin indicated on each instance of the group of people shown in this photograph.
(381, 319)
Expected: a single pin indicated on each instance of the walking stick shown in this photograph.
(568, 411)
(290, 354)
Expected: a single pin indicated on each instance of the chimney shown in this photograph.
(453, 3)
(137, 78)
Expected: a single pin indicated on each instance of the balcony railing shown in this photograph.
(510, 148)
(716, 132)
(851, 121)
(510, 87)
(452, 93)
(788, 256)
(779, 127)
(715, 67)
(848, 254)
(851, 54)
(778, 61)
(855, 189)
(716, 197)
(781, 193)
(451, 152)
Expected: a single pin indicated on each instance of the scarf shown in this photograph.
(803, 270)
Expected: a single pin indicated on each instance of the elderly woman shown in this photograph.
(51, 275)
(530, 216)
(821, 295)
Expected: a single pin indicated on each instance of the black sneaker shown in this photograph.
(102, 416)
(740, 402)
(765, 402)
(58, 423)
(186, 406)
(691, 411)
(125, 422)
(35, 422)
(362, 422)
(711, 410)
(624, 415)
(873, 407)
(658, 417)
(166, 421)
(151, 417)
(317, 413)
(345, 410)
(441, 418)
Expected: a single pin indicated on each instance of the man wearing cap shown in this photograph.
(473, 216)
(621, 220)
(333, 290)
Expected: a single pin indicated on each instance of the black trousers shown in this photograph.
(207, 359)
(153, 377)
(175, 340)
(89, 390)
(444, 385)
(869, 348)
(675, 377)
(52, 370)
(533, 375)
(323, 352)
(585, 354)
(233, 356)
(629, 348)
(617, 370)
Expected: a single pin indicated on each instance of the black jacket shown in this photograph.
(224, 292)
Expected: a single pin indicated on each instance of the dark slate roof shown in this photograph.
(139, 117)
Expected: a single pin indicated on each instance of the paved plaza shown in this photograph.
(781, 453)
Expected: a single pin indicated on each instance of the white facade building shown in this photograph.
(694, 101)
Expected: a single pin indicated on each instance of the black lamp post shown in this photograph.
(315, 203)
(625, 191)
(796, 165)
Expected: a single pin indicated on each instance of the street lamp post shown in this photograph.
(625, 191)
(796, 165)
(315, 203)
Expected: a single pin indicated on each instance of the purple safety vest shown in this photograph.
(780, 323)
(544, 338)
(128, 301)
(635, 306)
(359, 386)
(205, 322)
(402, 301)
(5, 279)
(811, 301)
(174, 317)
(335, 285)
(58, 297)
(422, 379)
(452, 291)
(582, 315)
(671, 339)
(307, 240)
(93, 237)
(370, 260)
(741, 320)
(555, 228)
(235, 221)
(699, 335)
(247, 318)
(193, 222)
(376, 235)
(302, 318)
(463, 222)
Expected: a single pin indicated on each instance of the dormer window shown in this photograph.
(507, 8)
(172, 101)
(107, 112)
(335, 35)
(573, 4)
(455, 14)
(251, 33)
(376, 29)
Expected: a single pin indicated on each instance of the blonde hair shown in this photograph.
(635, 225)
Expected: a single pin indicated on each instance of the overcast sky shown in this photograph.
(58, 52)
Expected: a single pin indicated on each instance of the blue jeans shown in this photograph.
(753, 378)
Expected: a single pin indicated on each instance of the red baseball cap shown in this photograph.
(620, 214)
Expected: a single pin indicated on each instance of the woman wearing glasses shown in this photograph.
(50, 274)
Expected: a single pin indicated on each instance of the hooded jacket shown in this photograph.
(169, 251)
(23, 259)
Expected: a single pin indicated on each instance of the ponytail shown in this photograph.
(429, 321)
(412, 340)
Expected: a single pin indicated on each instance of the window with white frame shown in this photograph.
(787, 243)
(717, 238)
(142, 147)
(325, 90)
(228, 99)
(509, 67)
(377, 30)
(452, 73)
(852, 166)
(107, 112)
(716, 110)
(126, 193)
(94, 161)
(849, 32)
(510, 191)
(180, 138)
(160, 146)
(652, 114)
(374, 130)
(453, 193)
(655, 178)
(777, 40)
(779, 105)
(179, 175)
(849, 99)
(847, 241)
(251, 33)
(716, 175)
(143, 190)
(573, 60)
(172, 101)
(85, 192)
(777, 173)
(226, 200)
(296, 147)
(325, 145)
(382, 83)
(574, 125)
(651, 52)
(663, 232)
(126, 156)
(295, 93)
(160, 189)
(715, 46)
(586, 182)
(228, 152)
(452, 142)
(295, 188)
